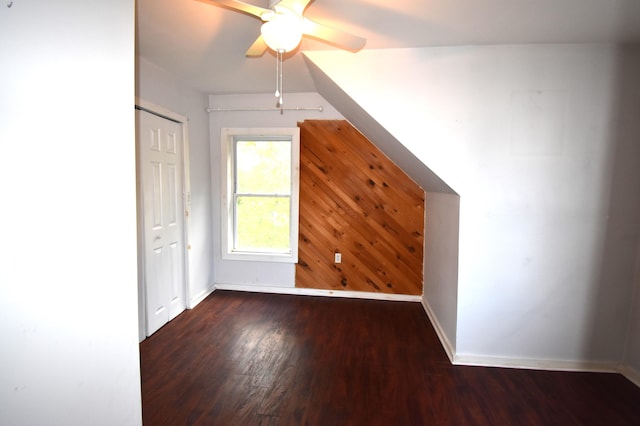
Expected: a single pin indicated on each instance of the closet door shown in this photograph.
(160, 166)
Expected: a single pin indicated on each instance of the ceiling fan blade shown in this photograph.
(240, 6)
(338, 38)
(257, 48)
(297, 6)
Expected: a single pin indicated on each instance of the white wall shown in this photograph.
(527, 136)
(440, 290)
(622, 246)
(629, 175)
(236, 272)
(156, 85)
(68, 311)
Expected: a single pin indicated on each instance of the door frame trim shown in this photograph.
(183, 121)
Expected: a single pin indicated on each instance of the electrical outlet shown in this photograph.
(337, 257)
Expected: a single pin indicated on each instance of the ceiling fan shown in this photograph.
(283, 28)
(284, 25)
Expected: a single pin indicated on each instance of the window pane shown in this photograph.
(262, 223)
(263, 167)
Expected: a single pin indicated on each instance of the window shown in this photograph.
(260, 194)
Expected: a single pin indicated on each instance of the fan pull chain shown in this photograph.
(279, 54)
(280, 101)
(277, 73)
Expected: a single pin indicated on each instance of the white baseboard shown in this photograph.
(444, 340)
(525, 363)
(314, 292)
(631, 374)
(201, 296)
(536, 364)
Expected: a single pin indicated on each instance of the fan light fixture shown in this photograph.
(283, 32)
(283, 28)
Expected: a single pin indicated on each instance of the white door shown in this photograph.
(160, 167)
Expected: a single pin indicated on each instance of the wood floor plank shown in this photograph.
(264, 359)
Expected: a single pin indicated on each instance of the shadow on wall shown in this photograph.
(612, 301)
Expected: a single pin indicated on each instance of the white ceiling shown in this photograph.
(204, 44)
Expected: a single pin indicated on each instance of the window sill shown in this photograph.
(261, 257)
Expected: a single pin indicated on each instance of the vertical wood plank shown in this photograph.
(356, 201)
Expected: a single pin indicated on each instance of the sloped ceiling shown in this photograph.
(384, 140)
(204, 44)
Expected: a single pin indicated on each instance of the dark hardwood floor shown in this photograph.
(260, 359)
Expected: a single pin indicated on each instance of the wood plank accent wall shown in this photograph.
(356, 201)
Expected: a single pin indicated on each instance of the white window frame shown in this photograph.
(227, 137)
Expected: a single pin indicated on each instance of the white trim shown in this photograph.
(631, 374)
(157, 109)
(317, 292)
(201, 296)
(444, 340)
(536, 364)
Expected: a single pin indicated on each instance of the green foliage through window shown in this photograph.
(263, 223)
(262, 195)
